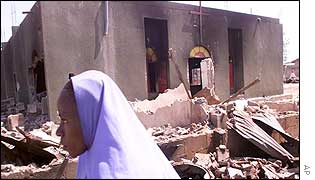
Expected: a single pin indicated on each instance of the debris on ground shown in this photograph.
(256, 138)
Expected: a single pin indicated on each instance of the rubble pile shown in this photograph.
(276, 153)
(34, 154)
(167, 133)
(253, 138)
(28, 149)
(243, 167)
(37, 122)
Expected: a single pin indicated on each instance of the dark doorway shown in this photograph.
(156, 42)
(195, 75)
(236, 73)
(38, 70)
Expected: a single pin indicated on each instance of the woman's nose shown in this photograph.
(59, 131)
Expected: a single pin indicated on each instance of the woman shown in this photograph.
(99, 125)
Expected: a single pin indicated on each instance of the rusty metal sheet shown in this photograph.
(243, 124)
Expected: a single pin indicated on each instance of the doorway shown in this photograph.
(38, 73)
(196, 55)
(236, 72)
(195, 75)
(156, 43)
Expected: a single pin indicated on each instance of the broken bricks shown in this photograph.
(14, 121)
(218, 119)
(222, 153)
(31, 108)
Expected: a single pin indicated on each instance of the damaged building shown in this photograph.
(130, 42)
(205, 83)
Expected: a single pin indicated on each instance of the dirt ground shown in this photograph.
(291, 88)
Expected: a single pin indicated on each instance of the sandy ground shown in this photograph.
(291, 88)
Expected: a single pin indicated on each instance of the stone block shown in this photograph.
(20, 107)
(11, 102)
(209, 137)
(234, 173)
(222, 153)
(44, 105)
(71, 169)
(174, 150)
(290, 123)
(31, 108)
(293, 131)
(281, 105)
(12, 110)
(195, 143)
(15, 120)
(218, 120)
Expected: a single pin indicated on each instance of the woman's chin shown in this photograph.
(75, 154)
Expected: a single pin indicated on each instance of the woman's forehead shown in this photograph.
(66, 102)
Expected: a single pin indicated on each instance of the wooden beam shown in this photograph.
(241, 90)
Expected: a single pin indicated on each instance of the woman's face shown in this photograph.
(70, 129)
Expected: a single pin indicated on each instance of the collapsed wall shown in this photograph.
(172, 107)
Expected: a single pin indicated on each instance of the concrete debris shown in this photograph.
(222, 153)
(15, 120)
(194, 134)
(209, 94)
(191, 171)
(164, 99)
(234, 173)
(173, 107)
(243, 168)
(168, 133)
(31, 108)
(35, 121)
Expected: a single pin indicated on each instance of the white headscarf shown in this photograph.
(118, 144)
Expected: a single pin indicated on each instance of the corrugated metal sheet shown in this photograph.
(272, 122)
(243, 124)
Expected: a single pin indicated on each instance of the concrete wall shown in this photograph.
(180, 113)
(287, 69)
(3, 79)
(7, 63)
(74, 41)
(78, 27)
(72, 37)
(262, 50)
(17, 56)
(262, 45)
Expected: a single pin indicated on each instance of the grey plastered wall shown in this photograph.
(129, 40)
(3, 79)
(261, 43)
(262, 50)
(6, 57)
(71, 38)
(17, 56)
(74, 41)
(264, 55)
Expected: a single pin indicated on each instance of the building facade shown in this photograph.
(130, 42)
